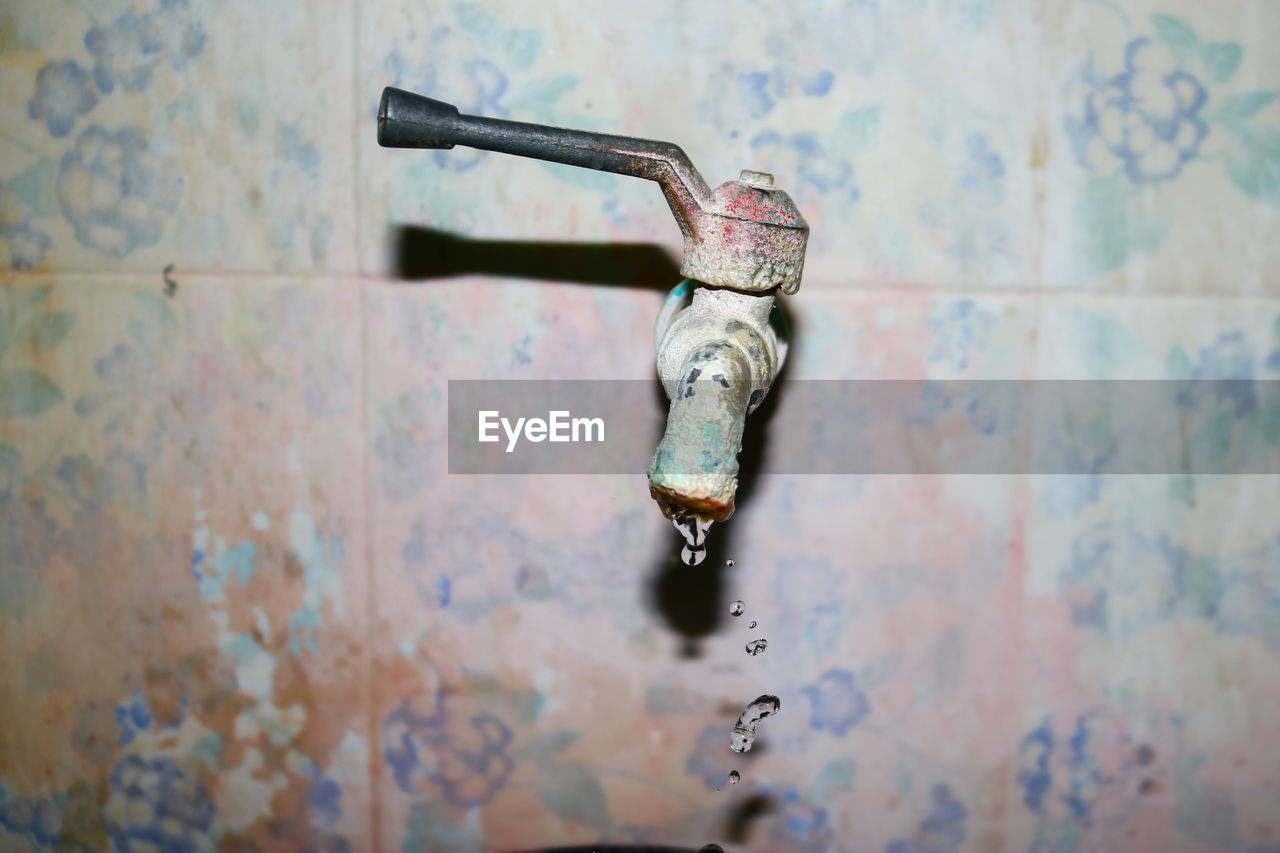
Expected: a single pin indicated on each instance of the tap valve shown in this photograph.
(745, 235)
(743, 242)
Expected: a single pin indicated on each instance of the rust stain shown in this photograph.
(1039, 152)
(293, 567)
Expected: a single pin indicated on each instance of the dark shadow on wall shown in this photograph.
(420, 253)
(694, 600)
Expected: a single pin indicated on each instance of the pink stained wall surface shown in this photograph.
(245, 606)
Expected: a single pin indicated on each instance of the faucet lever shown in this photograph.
(746, 235)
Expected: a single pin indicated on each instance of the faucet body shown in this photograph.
(743, 243)
(717, 359)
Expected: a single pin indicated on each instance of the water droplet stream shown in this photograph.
(744, 731)
(694, 530)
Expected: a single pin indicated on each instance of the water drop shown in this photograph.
(711, 848)
(729, 563)
(755, 647)
(693, 556)
(752, 625)
(734, 777)
(744, 731)
(737, 608)
(694, 530)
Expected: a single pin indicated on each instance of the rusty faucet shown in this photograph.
(718, 349)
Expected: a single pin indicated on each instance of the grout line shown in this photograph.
(906, 290)
(371, 586)
(357, 125)
(374, 767)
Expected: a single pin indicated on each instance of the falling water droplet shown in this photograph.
(693, 556)
(734, 777)
(729, 563)
(755, 647)
(737, 608)
(744, 731)
(694, 530)
(752, 625)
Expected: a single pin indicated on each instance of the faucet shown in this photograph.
(717, 337)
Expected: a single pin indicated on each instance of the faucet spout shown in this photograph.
(717, 359)
(744, 241)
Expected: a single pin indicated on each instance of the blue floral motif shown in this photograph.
(1231, 360)
(1231, 356)
(959, 327)
(1122, 582)
(484, 84)
(157, 804)
(1092, 775)
(114, 191)
(294, 181)
(465, 756)
(134, 716)
(128, 49)
(1149, 116)
(176, 33)
(447, 563)
(325, 797)
(36, 820)
(404, 455)
(984, 167)
(804, 155)
(62, 93)
(968, 219)
(838, 705)
(83, 480)
(941, 831)
(91, 485)
(1034, 776)
(762, 90)
(28, 536)
(804, 824)
(122, 57)
(27, 244)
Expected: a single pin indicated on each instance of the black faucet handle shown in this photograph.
(746, 236)
(406, 120)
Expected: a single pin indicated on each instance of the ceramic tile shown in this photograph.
(182, 564)
(139, 135)
(1152, 595)
(1160, 147)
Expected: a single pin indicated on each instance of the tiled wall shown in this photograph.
(243, 605)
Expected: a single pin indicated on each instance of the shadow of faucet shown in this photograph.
(419, 254)
(693, 600)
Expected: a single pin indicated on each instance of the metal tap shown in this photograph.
(743, 242)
